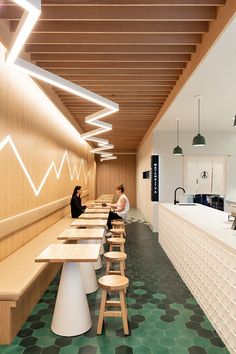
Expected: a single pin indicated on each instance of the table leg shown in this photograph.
(71, 315)
(89, 277)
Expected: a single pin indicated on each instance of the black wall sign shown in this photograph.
(155, 178)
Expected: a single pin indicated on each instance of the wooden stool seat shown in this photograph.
(116, 242)
(118, 222)
(115, 257)
(113, 283)
(119, 232)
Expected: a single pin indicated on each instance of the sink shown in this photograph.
(186, 204)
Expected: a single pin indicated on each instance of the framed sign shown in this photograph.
(155, 178)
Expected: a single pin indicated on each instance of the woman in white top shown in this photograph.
(121, 207)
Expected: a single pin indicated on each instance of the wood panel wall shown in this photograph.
(40, 134)
(113, 172)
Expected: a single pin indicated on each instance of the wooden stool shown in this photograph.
(118, 232)
(113, 283)
(117, 223)
(115, 257)
(116, 242)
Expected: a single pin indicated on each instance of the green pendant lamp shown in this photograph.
(234, 121)
(199, 139)
(178, 150)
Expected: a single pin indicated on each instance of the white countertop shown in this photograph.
(212, 221)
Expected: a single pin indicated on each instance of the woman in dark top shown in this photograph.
(76, 207)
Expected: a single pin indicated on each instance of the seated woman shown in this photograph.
(121, 207)
(76, 207)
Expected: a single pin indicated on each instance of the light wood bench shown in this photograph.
(23, 282)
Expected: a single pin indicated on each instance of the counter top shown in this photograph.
(212, 221)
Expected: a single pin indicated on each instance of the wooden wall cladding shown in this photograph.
(111, 173)
(35, 135)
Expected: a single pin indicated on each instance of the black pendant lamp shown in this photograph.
(177, 150)
(199, 139)
(235, 121)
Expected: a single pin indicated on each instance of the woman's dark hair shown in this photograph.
(76, 189)
(121, 188)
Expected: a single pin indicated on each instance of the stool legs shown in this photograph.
(121, 247)
(102, 310)
(121, 271)
(124, 312)
(105, 313)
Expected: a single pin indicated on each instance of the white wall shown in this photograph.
(171, 167)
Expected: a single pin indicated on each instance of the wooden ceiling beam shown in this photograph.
(117, 13)
(110, 49)
(54, 57)
(90, 81)
(114, 38)
(114, 27)
(134, 2)
(114, 65)
(114, 84)
(118, 72)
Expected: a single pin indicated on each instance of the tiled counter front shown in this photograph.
(206, 265)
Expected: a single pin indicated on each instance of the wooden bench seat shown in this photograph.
(23, 282)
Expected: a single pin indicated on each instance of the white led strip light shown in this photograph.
(31, 14)
(74, 172)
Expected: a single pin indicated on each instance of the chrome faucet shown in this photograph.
(176, 201)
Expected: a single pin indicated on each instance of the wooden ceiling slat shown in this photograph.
(134, 2)
(54, 57)
(114, 65)
(92, 80)
(110, 49)
(114, 38)
(114, 84)
(117, 13)
(121, 27)
(118, 72)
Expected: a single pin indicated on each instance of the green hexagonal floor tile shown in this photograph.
(156, 332)
(172, 332)
(192, 301)
(150, 342)
(138, 283)
(142, 349)
(159, 349)
(184, 342)
(138, 332)
(46, 341)
(216, 350)
(202, 342)
(71, 350)
(167, 342)
(178, 349)
(159, 296)
(140, 291)
(14, 349)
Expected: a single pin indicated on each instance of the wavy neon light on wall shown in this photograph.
(74, 172)
(30, 16)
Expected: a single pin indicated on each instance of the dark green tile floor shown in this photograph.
(164, 317)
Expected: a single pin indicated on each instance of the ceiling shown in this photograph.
(215, 80)
(132, 52)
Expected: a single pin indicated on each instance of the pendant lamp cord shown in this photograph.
(199, 99)
(177, 132)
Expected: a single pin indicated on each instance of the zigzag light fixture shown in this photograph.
(31, 14)
(74, 173)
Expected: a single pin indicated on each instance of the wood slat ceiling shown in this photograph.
(132, 52)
